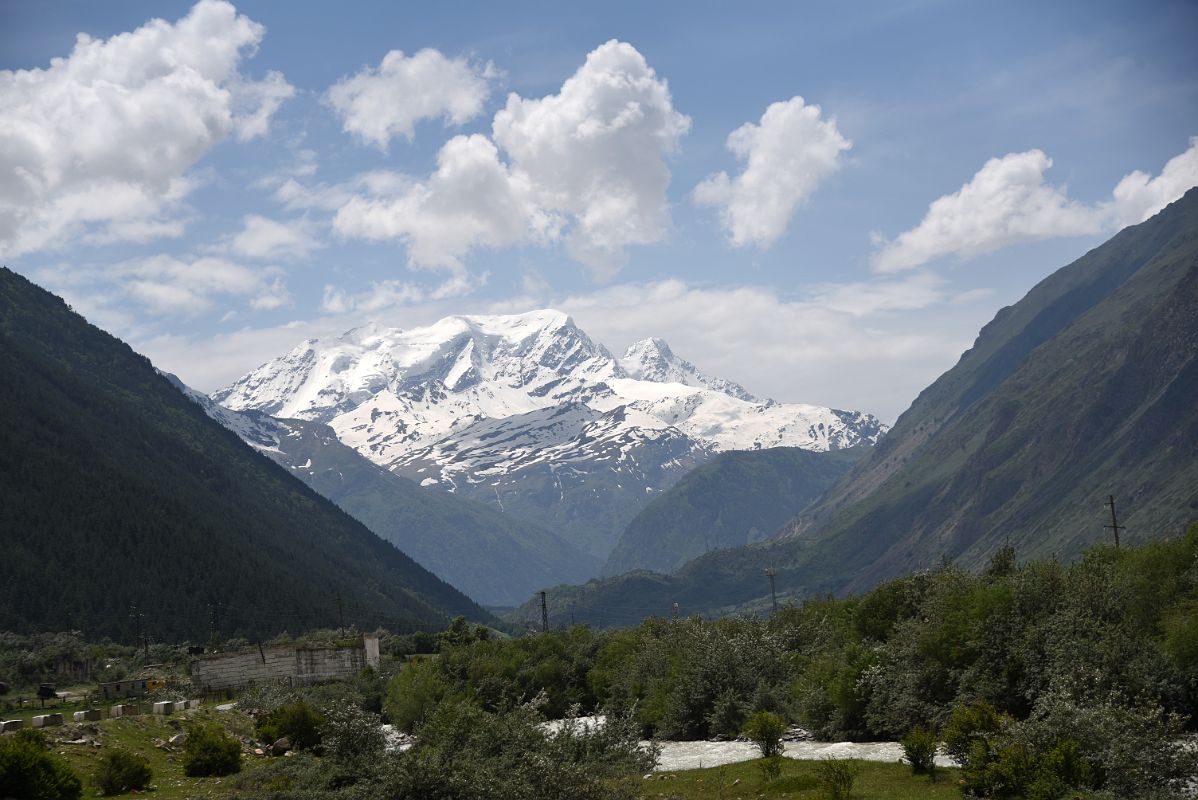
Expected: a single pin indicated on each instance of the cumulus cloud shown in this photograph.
(584, 166)
(99, 142)
(472, 200)
(267, 239)
(787, 156)
(1139, 195)
(380, 104)
(1008, 202)
(168, 285)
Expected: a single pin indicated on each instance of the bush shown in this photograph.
(765, 730)
(351, 735)
(919, 747)
(120, 771)
(208, 750)
(770, 769)
(967, 725)
(299, 722)
(727, 715)
(29, 771)
(837, 776)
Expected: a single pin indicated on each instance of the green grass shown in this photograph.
(137, 735)
(876, 781)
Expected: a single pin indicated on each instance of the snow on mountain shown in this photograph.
(652, 360)
(499, 406)
(541, 353)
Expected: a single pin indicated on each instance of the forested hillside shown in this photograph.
(738, 498)
(117, 492)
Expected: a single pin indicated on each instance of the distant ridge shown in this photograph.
(117, 492)
(1085, 388)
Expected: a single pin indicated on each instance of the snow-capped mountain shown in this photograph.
(653, 360)
(509, 409)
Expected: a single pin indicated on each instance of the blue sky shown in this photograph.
(220, 184)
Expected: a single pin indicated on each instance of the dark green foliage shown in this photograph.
(735, 499)
(30, 772)
(209, 751)
(727, 715)
(968, 725)
(765, 730)
(351, 735)
(837, 776)
(464, 752)
(299, 722)
(919, 748)
(213, 531)
(120, 771)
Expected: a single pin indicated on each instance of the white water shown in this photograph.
(692, 755)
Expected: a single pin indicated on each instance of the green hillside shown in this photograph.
(1085, 388)
(737, 498)
(494, 557)
(117, 491)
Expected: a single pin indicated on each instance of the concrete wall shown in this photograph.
(283, 665)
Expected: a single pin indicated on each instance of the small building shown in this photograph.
(133, 687)
(291, 665)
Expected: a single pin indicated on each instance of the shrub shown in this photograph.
(208, 751)
(29, 771)
(967, 725)
(351, 735)
(771, 768)
(299, 722)
(120, 771)
(837, 776)
(727, 714)
(919, 747)
(765, 730)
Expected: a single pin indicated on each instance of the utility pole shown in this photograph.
(773, 594)
(140, 619)
(674, 612)
(1114, 526)
(544, 614)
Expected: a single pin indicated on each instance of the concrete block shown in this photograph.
(165, 707)
(91, 714)
(123, 710)
(11, 725)
(47, 720)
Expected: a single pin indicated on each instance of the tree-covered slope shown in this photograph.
(738, 498)
(1087, 387)
(117, 491)
(493, 557)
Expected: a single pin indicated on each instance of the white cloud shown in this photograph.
(389, 294)
(380, 104)
(472, 200)
(271, 240)
(255, 102)
(1005, 203)
(99, 142)
(167, 285)
(1139, 195)
(787, 156)
(1008, 202)
(584, 166)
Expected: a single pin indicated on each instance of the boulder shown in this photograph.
(281, 746)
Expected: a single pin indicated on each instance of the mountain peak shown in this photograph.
(652, 360)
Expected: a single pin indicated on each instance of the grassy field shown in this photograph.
(137, 735)
(799, 780)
